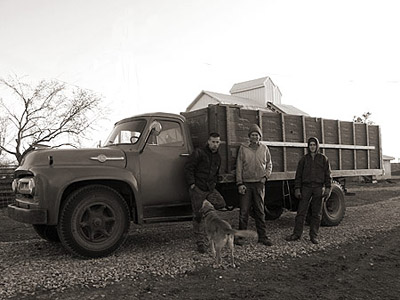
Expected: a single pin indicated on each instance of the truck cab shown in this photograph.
(156, 147)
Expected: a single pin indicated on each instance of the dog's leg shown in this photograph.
(219, 245)
(232, 247)
(218, 256)
(212, 243)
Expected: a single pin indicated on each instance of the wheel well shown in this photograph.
(121, 187)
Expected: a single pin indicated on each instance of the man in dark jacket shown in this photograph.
(312, 185)
(201, 172)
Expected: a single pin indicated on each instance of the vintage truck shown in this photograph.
(86, 198)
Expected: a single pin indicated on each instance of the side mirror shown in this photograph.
(155, 128)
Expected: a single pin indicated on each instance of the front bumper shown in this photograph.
(27, 215)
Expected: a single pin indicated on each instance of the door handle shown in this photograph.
(184, 154)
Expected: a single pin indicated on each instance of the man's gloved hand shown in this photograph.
(327, 193)
(242, 189)
(297, 193)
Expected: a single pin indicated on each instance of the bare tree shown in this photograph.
(47, 111)
(3, 127)
(364, 119)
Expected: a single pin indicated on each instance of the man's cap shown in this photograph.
(255, 128)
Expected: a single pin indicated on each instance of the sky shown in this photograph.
(331, 59)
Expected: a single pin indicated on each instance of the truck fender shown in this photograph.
(112, 178)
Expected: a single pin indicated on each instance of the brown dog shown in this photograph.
(220, 232)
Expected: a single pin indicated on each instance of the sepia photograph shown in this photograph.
(199, 149)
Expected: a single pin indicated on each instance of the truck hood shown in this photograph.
(79, 157)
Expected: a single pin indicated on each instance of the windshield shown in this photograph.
(126, 133)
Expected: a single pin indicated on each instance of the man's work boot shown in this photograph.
(314, 240)
(292, 237)
(265, 241)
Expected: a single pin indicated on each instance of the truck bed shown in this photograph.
(353, 149)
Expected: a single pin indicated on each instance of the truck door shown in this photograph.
(163, 186)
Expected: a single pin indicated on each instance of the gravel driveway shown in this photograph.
(32, 265)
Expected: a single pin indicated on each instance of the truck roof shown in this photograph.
(154, 115)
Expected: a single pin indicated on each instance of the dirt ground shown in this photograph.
(369, 270)
(366, 269)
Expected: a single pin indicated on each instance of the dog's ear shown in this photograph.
(207, 203)
(203, 207)
(206, 207)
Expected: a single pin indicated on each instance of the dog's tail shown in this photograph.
(244, 233)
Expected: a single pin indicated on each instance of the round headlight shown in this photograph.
(26, 186)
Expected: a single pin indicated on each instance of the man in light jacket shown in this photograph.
(253, 168)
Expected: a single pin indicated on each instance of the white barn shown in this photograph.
(262, 90)
(260, 94)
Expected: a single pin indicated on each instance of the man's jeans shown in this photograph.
(254, 197)
(197, 196)
(310, 197)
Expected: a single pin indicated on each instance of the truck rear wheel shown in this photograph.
(334, 208)
(94, 221)
(47, 232)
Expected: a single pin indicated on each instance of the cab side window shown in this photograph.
(170, 135)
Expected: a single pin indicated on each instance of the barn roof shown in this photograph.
(229, 99)
(387, 157)
(248, 85)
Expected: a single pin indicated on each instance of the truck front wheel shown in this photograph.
(94, 221)
(334, 207)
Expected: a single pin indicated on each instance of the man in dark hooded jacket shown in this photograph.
(312, 185)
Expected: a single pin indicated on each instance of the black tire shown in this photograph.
(94, 221)
(334, 208)
(47, 232)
